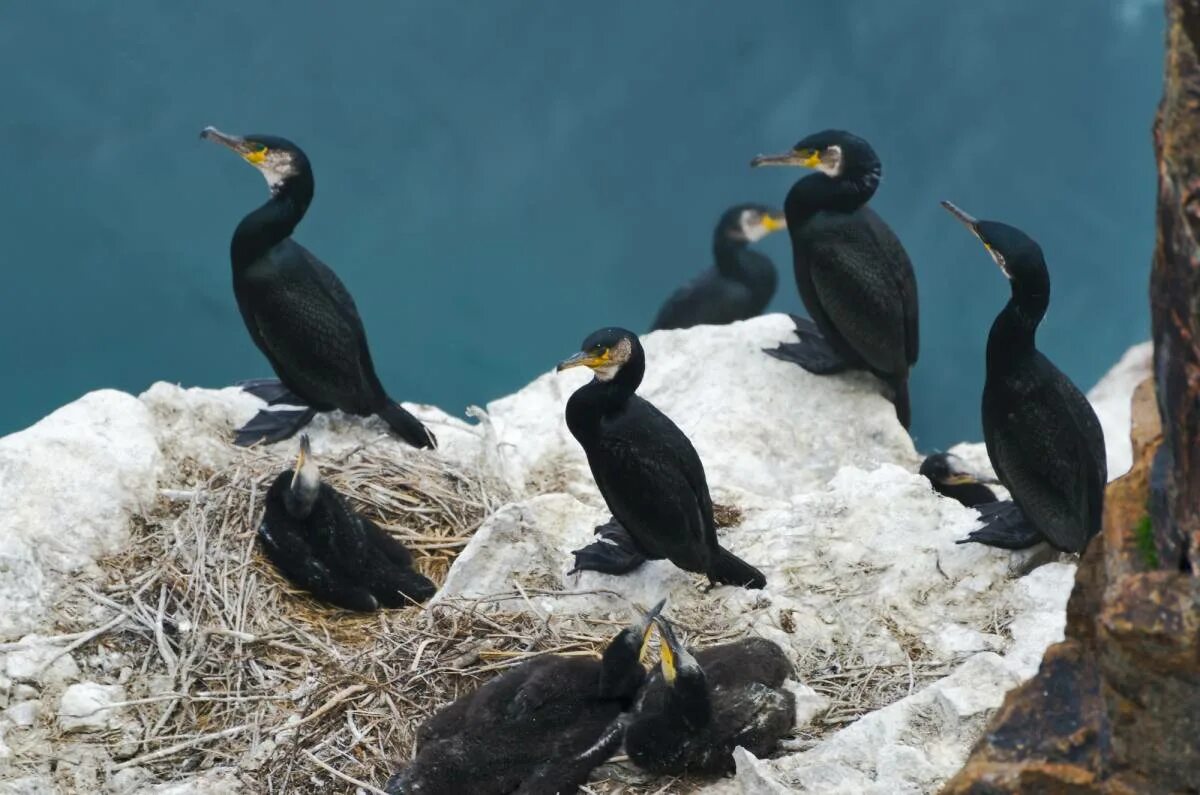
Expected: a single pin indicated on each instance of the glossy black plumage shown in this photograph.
(538, 729)
(1042, 435)
(950, 478)
(741, 282)
(645, 467)
(320, 544)
(853, 274)
(297, 310)
(720, 698)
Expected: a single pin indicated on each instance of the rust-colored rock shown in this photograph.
(1115, 707)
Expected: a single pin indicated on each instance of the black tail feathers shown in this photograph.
(728, 569)
(406, 426)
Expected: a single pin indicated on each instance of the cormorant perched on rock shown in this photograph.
(298, 312)
(741, 283)
(696, 710)
(322, 546)
(951, 477)
(646, 469)
(538, 729)
(1042, 435)
(853, 274)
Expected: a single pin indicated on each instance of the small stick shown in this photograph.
(183, 746)
(343, 776)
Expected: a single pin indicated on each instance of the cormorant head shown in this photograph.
(749, 223)
(835, 153)
(1018, 255)
(278, 159)
(684, 677)
(947, 469)
(606, 352)
(621, 671)
(306, 482)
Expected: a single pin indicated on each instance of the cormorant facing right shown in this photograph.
(538, 729)
(742, 282)
(952, 478)
(297, 310)
(319, 543)
(692, 714)
(853, 274)
(1042, 435)
(646, 469)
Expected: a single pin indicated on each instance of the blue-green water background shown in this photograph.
(496, 179)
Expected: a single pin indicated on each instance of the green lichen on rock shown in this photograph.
(1143, 534)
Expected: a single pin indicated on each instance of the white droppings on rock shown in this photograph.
(218, 781)
(87, 706)
(24, 714)
(1111, 396)
(39, 662)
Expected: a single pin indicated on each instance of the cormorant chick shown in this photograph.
(322, 546)
(1042, 435)
(539, 729)
(646, 469)
(951, 477)
(853, 274)
(742, 282)
(297, 310)
(692, 714)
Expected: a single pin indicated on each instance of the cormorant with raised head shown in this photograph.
(1042, 435)
(697, 709)
(323, 547)
(951, 477)
(297, 310)
(853, 274)
(646, 469)
(539, 729)
(742, 281)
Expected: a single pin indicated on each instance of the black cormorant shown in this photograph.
(741, 283)
(853, 274)
(1042, 435)
(538, 729)
(298, 312)
(952, 478)
(696, 710)
(322, 546)
(646, 469)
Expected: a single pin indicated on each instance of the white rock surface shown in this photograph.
(858, 551)
(1111, 399)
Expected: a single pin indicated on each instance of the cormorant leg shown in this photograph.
(614, 553)
(273, 426)
(812, 352)
(1004, 526)
(272, 391)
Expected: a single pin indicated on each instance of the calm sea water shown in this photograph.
(495, 180)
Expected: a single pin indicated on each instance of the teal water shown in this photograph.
(495, 180)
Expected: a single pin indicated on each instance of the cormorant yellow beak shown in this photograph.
(668, 650)
(773, 223)
(253, 152)
(809, 158)
(647, 626)
(961, 479)
(585, 359)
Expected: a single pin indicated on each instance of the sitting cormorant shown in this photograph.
(696, 710)
(322, 546)
(951, 477)
(538, 729)
(853, 274)
(298, 312)
(1042, 435)
(646, 469)
(742, 282)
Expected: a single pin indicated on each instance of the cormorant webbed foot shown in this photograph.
(269, 427)
(812, 352)
(1004, 526)
(272, 391)
(615, 552)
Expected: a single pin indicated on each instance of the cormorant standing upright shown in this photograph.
(322, 546)
(1042, 435)
(853, 274)
(696, 710)
(951, 477)
(647, 470)
(538, 729)
(742, 281)
(297, 310)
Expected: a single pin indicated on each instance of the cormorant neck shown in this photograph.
(274, 221)
(597, 399)
(727, 253)
(1014, 330)
(688, 701)
(818, 192)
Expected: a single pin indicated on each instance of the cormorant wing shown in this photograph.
(707, 299)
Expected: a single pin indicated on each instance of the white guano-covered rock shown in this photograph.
(88, 706)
